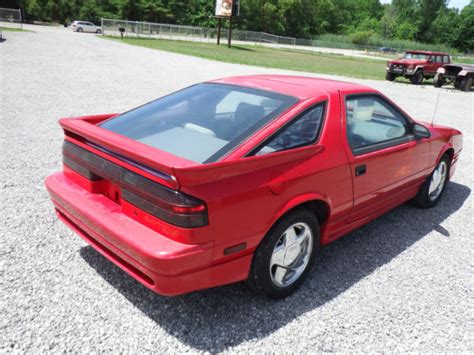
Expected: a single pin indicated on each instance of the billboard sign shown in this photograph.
(227, 8)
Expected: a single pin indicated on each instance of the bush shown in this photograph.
(360, 37)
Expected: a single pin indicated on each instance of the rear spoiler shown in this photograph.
(154, 161)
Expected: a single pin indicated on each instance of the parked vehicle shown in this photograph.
(416, 66)
(83, 26)
(243, 178)
(386, 49)
(461, 75)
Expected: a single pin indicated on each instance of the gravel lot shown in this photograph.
(402, 283)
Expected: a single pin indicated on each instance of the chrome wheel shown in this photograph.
(291, 254)
(437, 180)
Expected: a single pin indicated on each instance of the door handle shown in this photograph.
(360, 170)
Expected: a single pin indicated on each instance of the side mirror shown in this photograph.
(430, 60)
(421, 131)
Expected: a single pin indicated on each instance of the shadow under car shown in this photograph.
(214, 319)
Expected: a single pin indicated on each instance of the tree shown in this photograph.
(445, 27)
(428, 21)
(427, 11)
(465, 37)
(132, 10)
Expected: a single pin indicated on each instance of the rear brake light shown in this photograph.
(170, 205)
(164, 203)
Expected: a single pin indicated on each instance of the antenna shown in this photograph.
(436, 107)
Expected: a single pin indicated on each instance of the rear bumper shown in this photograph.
(161, 264)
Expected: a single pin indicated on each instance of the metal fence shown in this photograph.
(180, 32)
(208, 34)
(11, 16)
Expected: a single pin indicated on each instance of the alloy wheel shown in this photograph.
(291, 254)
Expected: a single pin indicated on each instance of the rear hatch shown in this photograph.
(139, 178)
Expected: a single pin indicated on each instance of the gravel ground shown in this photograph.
(402, 283)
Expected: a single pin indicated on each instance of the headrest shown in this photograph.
(203, 130)
(247, 112)
(364, 109)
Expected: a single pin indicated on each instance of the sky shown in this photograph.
(452, 3)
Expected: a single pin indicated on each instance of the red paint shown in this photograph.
(244, 196)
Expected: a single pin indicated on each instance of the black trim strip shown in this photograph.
(382, 145)
(152, 171)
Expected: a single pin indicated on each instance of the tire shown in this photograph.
(457, 83)
(80, 29)
(99, 31)
(466, 84)
(424, 198)
(438, 81)
(390, 76)
(277, 282)
(417, 78)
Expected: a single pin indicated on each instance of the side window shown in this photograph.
(371, 120)
(302, 131)
(445, 59)
(439, 59)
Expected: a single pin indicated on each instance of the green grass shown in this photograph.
(464, 60)
(268, 57)
(13, 29)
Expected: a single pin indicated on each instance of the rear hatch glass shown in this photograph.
(203, 122)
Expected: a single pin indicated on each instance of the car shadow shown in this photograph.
(212, 320)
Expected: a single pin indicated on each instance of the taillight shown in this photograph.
(169, 205)
(160, 201)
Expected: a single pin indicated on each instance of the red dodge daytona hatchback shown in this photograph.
(243, 178)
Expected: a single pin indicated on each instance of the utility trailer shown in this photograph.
(462, 75)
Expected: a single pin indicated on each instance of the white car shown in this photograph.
(84, 26)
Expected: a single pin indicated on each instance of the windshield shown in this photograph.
(203, 122)
(420, 56)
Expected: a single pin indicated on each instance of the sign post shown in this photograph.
(218, 31)
(226, 9)
(229, 35)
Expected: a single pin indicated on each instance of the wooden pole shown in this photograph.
(218, 31)
(229, 39)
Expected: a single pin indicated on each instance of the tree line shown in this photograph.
(427, 21)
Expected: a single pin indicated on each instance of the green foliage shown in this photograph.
(424, 21)
(465, 37)
(361, 37)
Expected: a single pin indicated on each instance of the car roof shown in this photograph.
(428, 52)
(297, 86)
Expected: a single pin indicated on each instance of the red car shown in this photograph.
(416, 65)
(243, 178)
